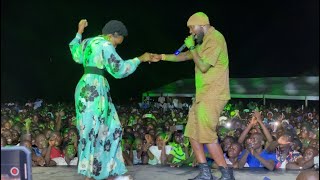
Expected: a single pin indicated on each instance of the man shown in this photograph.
(99, 150)
(284, 151)
(212, 91)
(255, 155)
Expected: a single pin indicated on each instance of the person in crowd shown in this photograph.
(158, 154)
(41, 151)
(255, 155)
(232, 157)
(180, 152)
(308, 175)
(284, 150)
(54, 152)
(304, 162)
(70, 152)
(304, 136)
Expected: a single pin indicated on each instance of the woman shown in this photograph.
(99, 149)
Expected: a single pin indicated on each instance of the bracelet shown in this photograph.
(192, 48)
(163, 57)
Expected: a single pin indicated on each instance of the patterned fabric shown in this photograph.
(99, 149)
(291, 157)
(177, 152)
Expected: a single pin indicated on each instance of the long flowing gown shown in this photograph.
(99, 149)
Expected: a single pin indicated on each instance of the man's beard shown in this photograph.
(199, 38)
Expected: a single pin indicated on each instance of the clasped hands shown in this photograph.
(150, 57)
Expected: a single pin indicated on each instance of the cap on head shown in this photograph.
(198, 18)
(115, 26)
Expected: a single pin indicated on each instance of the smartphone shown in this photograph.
(179, 127)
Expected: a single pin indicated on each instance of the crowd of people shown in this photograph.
(275, 136)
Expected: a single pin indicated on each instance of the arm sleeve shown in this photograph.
(114, 64)
(76, 49)
(210, 53)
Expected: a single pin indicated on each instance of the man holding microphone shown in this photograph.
(210, 56)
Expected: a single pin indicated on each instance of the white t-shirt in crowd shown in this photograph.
(136, 160)
(157, 153)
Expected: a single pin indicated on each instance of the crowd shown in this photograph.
(272, 136)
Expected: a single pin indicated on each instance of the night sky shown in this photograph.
(265, 39)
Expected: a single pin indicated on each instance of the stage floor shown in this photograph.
(161, 173)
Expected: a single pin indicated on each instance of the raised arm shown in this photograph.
(117, 67)
(246, 131)
(75, 45)
(264, 128)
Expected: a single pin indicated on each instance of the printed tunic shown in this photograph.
(99, 149)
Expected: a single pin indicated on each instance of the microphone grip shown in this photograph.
(180, 49)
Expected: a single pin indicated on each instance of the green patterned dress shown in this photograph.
(99, 149)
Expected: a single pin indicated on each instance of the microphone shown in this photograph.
(180, 49)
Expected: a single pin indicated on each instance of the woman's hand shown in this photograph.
(82, 24)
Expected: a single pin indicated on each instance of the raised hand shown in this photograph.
(145, 147)
(257, 115)
(148, 138)
(82, 24)
(253, 121)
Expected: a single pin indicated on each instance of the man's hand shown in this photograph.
(257, 115)
(189, 41)
(82, 24)
(253, 121)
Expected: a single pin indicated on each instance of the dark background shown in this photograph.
(265, 38)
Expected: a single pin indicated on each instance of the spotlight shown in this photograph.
(228, 124)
